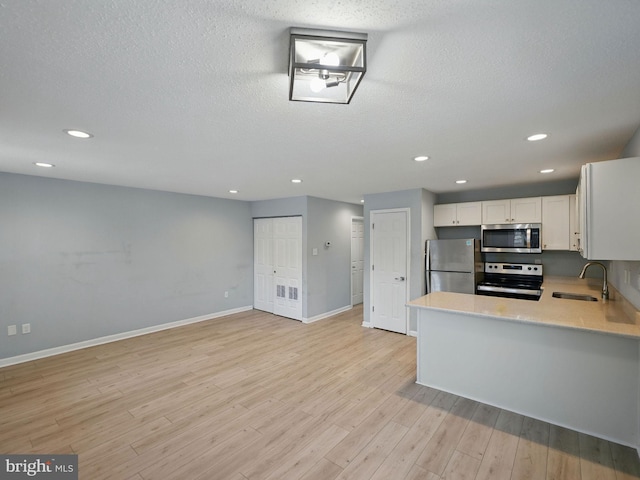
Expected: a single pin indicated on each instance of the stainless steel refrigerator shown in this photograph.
(453, 265)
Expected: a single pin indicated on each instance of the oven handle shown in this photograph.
(486, 288)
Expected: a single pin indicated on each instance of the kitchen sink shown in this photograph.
(575, 296)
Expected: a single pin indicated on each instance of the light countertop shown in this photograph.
(615, 316)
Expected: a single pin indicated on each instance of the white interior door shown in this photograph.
(277, 248)
(287, 241)
(357, 260)
(263, 264)
(389, 270)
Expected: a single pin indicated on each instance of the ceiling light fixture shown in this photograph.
(78, 133)
(44, 165)
(233, 191)
(421, 158)
(325, 66)
(296, 180)
(547, 170)
(460, 182)
(537, 136)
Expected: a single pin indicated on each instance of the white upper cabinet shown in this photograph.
(457, 214)
(515, 210)
(609, 208)
(574, 234)
(526, 210)
(496, 211)
(555, 222)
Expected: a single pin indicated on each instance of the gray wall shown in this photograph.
(632, 290)
(326, 277)
(79, 261)
(329, 272)
(420, 202)
(558, 187)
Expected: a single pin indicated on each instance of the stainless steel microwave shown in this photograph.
(513, 238)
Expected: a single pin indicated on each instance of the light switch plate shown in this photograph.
(315, 251)
(26, 328)
(11, 330)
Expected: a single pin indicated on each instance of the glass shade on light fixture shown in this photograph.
(325, 66)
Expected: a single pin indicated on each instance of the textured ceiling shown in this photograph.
(192, 96)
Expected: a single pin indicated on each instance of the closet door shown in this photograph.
(278, 266)
(263, 264)
(287, 239)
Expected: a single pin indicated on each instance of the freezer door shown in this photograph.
(452, 255)
(451, 282)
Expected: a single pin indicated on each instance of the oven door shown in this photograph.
(512, 238)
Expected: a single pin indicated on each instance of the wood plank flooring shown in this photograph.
(254, 396)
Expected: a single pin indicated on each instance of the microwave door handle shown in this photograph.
(528, 237)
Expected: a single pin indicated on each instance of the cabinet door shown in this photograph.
(611, 230)
(469, 213)
(574, 234)
(496, 211)
(444, 215)
(555, 222)
(526, 210)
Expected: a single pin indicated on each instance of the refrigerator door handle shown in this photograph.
(428, 257)
(427, 266)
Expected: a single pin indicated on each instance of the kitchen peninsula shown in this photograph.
(568, 362)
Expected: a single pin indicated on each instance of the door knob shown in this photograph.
(400, 278)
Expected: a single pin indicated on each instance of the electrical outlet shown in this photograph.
(226, 294)
(26, 328)
(11, 330)
(627, 276)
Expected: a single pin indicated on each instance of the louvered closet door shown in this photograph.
(278, 266)
(287, 240)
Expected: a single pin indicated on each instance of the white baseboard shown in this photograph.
(27, 357)
(367, 324)
(327, 314)
(413, 333)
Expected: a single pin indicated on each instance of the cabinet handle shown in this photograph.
(453, 221)
(457, 221)
(513, 219)
(506, 219)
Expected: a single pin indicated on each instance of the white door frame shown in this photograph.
(357, 219)
(372, 213)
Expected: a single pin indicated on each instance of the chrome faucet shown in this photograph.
(605, 286)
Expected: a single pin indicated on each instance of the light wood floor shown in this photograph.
(255, 396)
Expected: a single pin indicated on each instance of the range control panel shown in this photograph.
(513, 268)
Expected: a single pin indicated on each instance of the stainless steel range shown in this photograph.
(513, 280)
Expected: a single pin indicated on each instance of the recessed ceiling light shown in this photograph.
(296, 180)
(547, 170)
(361, 201)
(233, 191)
(461, 181)
(421, 158)
(537, 136)
(78, 133)
(43, 164)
